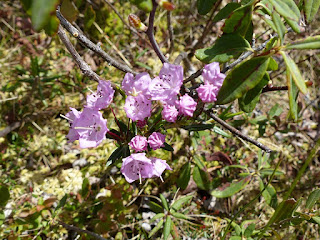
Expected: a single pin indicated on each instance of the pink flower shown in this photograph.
(137, 108)
(72, 116)
(169, 113)
(136, 85)
(159, 166)
(211, 74)
(102, 98)
(208, 93)
(187, 105)
(139, 143)
(91, 127)
(168, 84)
(156, 140)
(137, 166)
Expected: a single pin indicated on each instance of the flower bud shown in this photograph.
(166, 5)
(135, 22)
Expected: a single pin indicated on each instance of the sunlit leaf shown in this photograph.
(313, 198)
(204, 6)
(311, 8)
(184, 176)
(232, 189)
(307, 43)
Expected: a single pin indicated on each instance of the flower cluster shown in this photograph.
(90, 128)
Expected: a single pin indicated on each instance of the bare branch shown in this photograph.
(89, 44)
(237, 132)
(274, 88)
(10, 128)
(79, 230)
(150, 33)
(84, 67)
(170, 29)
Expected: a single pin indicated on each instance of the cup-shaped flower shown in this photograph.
(91, 127)
(169, 113)
(137, 166)
(211, 74)
(159, 166)
(102, 97)
(139, 143)
(137, 108)
(208, 93)
(136, 85)
(72, 116)
(168, 84)
(156, 140)
(187, 105)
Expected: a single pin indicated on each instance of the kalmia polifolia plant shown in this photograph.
(142, 95)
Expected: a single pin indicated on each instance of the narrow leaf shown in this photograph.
(225, 48)
(269, 194)
(204, 6)
(239, 20)
(287, 9)
(307, 43)
(312, 199)
(293, 93)
(198, 127)
(167, 228)
(226, 11)
(180, 215)
(286, 209)
(250, 99)
(4, 195)
(232, 189)
(157, 216)
(167, 147)
(280, 27)
(177, 205)
(184, 175)
(311, 8)
(243, 78)
(164, 202)
(201, 178)
(295, 73)
(41, 12)
(156, 228)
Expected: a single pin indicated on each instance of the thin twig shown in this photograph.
(84, 67)
(237, 132)
(170, 30)
(274, 88)
(89, 44)
(10, 128)
(150, 33)
(79, 230)
(181, 56)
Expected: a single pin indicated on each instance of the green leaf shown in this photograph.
(235, 238)
(177, 205)
(293, 93)
(249, 230)
(184, 176)
(155, 207)
(286, 209)
(311, 8)
(307, 43)
(312, 199)
(167, 228)
(89, 17)
(2, 217)
(269, 172)
(115, 155)
(221, 132)
(239, 20)
(157, 216)
(164, 202)
(316, 219)
(295, 72)
(242, 78)
(180, 215)
(144, 5)
(275, 111)
(287, 9)
(249, 100)
(225, 48)
(279, 25)
(226, 11)
(43, 14)
(201, 178)
(232, 189)
(156, 228)
(4, 195)
(204, 6)
(167, 147)
(198, 127)
(293, 24)
(273, 65)
(85, 187)
(62, 202)
(269, 194)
